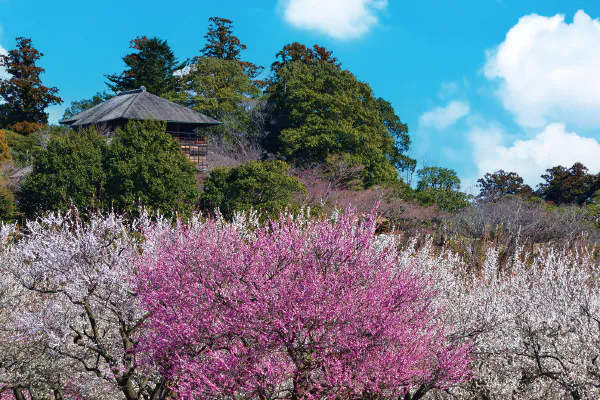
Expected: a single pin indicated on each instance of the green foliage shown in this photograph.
(399, 131)
(445, 200)
(319, 110)
(568, 185)
(142, 165)
(595, 199)
(25, 98)
(440, 187)
(499, 184)
(264, 186)
(68, 172)
(153, 66)
(297, 52)
(222, 44)
(218, 88)
(437, 178)
(23, 148)
(145, 166)
(7, 204)
(77, 107)
(401, 190)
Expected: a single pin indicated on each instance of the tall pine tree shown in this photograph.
(25, 97)
(222, 43)
(152, 65)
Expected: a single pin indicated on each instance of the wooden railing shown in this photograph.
(194, 147)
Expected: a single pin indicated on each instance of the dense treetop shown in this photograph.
(141, 166)
(68, 172)
(217, 87)
(568, 185)
(298, 52)
(25, 98)
(499, 184)
(145, 167)
(437, 178)
(319, 110)
(152, 65)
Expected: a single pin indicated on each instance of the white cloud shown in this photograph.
(548, 70)
(340, 19)
(3, 73)
(443, 117)
(530, 158)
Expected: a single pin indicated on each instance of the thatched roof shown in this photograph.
(138, 105)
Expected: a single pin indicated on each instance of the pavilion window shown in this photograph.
(193, 144)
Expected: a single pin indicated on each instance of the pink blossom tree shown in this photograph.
(296, 309)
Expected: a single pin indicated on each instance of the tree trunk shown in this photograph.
(18, 393)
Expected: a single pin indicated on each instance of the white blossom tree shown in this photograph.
(74, 316)
(534, 325)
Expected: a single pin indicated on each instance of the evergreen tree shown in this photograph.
(319, 110)
(297, 52)
(440, 187)
(152, 65)
(145, 166)
(25, 97)
(69, 172)
(217, 87)
(399, 131)
(437, 178)
(223, 44)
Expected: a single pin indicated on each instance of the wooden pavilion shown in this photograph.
(184, 124)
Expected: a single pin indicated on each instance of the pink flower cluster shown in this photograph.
(314, 309)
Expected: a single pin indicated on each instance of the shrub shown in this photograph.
(142, 166)
(69, 172)
(264, 186)
(23, 148)
(145, 166)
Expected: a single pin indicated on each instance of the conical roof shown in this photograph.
(138, 105)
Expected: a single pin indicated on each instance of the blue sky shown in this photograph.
(482, 84)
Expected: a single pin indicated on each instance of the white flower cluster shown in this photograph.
(69, 314)
(534, 323)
